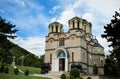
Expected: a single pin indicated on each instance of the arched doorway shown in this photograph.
(60, 60)
(61, 56)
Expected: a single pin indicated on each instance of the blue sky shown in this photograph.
(32, 17)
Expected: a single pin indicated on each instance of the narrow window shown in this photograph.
(61, 42)
(78, 24)
(50, 58)
(56, 28)
(73, 25)
(72, 57)
(52, 28)
(85, 28)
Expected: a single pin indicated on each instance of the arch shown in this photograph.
(61, 54)
(59, 50)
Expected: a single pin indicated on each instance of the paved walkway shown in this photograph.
(53, 75)
(46, 75)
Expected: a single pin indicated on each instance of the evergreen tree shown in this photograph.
(112, 34)
(6, 31)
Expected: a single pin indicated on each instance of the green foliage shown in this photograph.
(2, 68)
(95, 69)
(27, 72)
(89, 78)
(63, 76)
(16, 71)
(110, 68)
(6, 70)
(80, 78)
(75, 72)
(112, 34)
(72, 77)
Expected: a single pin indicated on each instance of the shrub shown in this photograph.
(89, 78)
(2, 68)
(6, 70)
(27, 72)
(80, 78)
(16, 71)
(71, 77)
(95, 69)
(63, 76)
(75, 72)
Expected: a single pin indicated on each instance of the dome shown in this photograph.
(55, 27)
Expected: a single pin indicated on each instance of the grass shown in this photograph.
(12, 76)
(32, 70)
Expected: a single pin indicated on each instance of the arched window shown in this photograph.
(61, 41)
(52, 27)
(56, 28)
(101, 62)
(50, 58)
(85, 28)
(73, 24)
(78, 24)
(72, 57)
(90, 59)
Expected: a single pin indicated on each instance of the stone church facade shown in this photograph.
(76, 47)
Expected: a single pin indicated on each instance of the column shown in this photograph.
(54, 29)
(66, 64)
(75, 22)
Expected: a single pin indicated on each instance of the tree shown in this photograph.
(6, 31)
(112, 34)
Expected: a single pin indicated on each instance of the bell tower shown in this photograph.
(55, 27)
(78, 23)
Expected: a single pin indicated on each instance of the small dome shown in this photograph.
(77, 18)
(55, 27)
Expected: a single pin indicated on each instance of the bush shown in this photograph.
(27, 72)
(71, 77)
(89, 78)
(80, 78)
(6, 70)
(63, 76)
(16, 71)
(95, 69)
(2, 68)
(75, 72)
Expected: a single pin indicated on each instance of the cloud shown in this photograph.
(99, 13)
(20, 2)
(35, 45)
(105, 44)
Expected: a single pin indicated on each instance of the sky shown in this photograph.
(32, 18)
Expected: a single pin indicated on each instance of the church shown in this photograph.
(77, 47)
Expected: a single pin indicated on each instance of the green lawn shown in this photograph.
(32, 70)
(12, 76)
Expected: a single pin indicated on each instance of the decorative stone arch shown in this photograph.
(60, 49)
(60, 63)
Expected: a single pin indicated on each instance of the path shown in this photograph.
(53, 75)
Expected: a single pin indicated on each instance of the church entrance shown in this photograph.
(62, 64)
(60, 60)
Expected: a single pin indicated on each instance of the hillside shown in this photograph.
(18, 51)
(15, 50)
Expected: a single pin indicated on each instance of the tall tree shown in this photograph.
(112, 34)
(6, 31)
